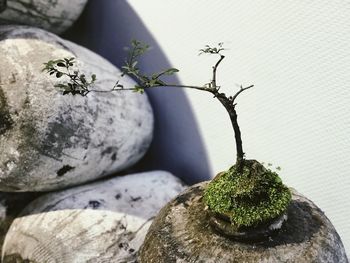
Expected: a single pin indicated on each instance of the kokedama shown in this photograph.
(244, 198)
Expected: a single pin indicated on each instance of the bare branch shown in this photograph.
(158, 86)
(214, 70)
(78, 83)
(240, 91)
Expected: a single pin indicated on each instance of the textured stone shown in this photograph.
(10, 206)
(181, 233)
(100, 222)
(3, 5)
(49, 140)
(53, 15)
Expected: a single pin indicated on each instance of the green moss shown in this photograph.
(254, 196)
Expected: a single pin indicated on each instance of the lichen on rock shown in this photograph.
(181, 233)
(50, 141)
(104, 221)
(11, 204)
(53, 15)
(5, 117)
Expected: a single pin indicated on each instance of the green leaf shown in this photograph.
(61, 86)
(159, 82)
(83, 79)
(152, 82)
(134, 43)
(139, 89)
(59, 74)
(171, 71)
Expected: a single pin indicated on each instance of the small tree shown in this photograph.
(245, 196)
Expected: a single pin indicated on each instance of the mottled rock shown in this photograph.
(181, 233)
(10, 206)
(53, 15)
(100, 222)
(49, 140)
(3, 5)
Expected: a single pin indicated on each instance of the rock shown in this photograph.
(10, 206)
(181, 233)
(100, 222)
(49, 140)
(53, 15)
(3, 5)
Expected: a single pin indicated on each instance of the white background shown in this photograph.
(296, 53)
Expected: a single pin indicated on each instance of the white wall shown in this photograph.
(297, 53)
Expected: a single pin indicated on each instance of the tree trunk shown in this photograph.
(230, 108)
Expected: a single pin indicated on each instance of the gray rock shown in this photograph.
(10, 206)
(99, 222)
(53, 15)
(49, 140)
(181, 233)
(3, 5)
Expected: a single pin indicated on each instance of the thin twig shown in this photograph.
(214, 70)
(240, 91)
(159, 86)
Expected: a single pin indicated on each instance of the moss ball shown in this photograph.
(249, 198)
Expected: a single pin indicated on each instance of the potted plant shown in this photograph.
(247, 206)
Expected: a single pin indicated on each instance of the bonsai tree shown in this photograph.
(244, 198)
